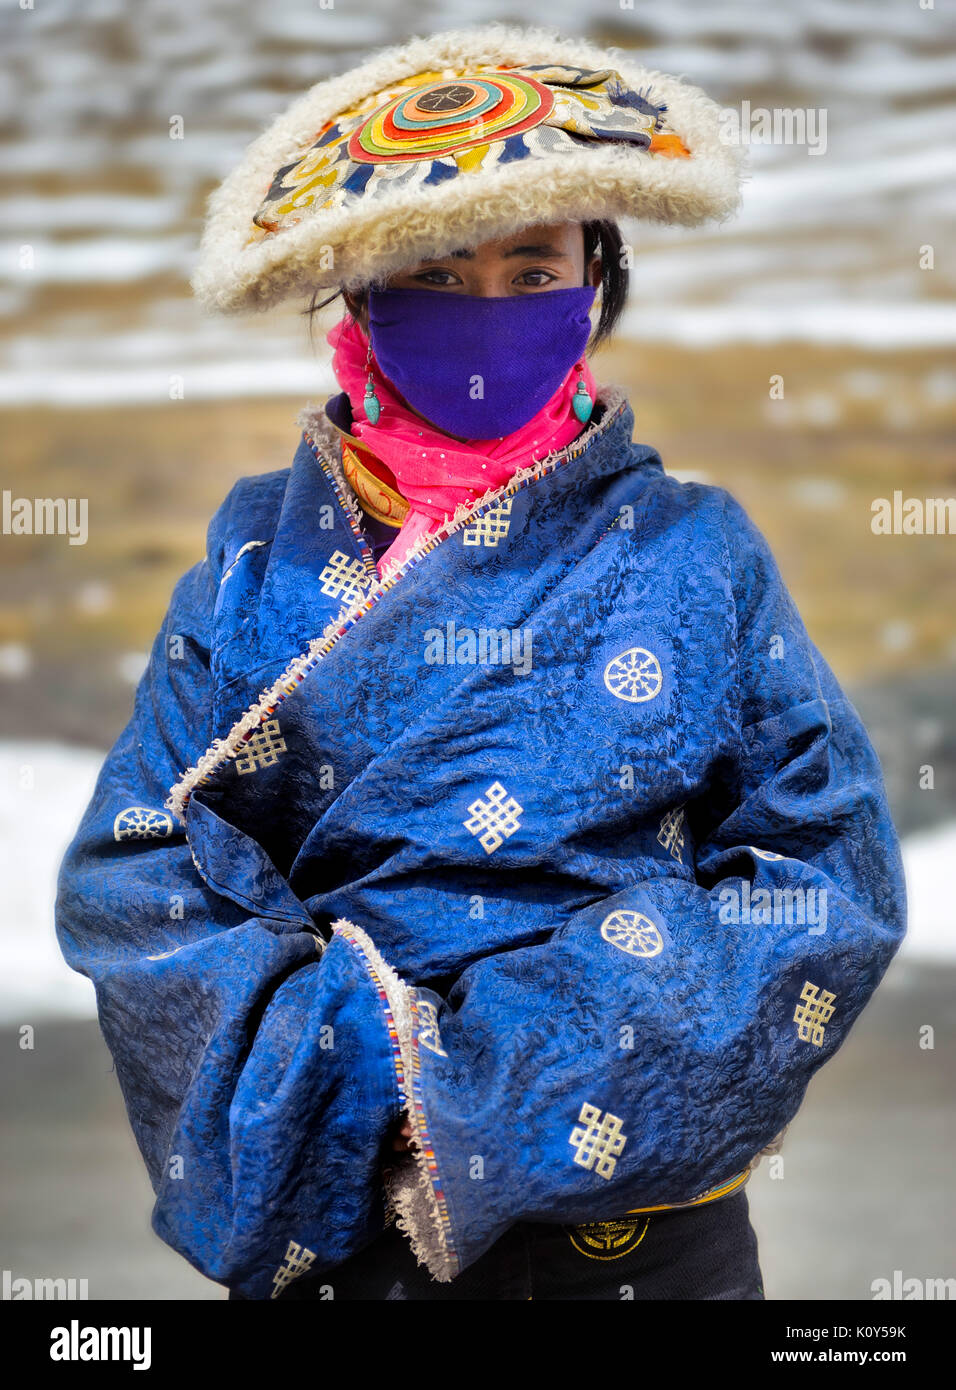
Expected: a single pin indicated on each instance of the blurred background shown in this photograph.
(118, 118)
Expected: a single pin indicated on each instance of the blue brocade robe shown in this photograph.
(569, 843)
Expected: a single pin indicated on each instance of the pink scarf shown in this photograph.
(435, 472)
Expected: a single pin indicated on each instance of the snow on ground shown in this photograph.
(100, 233)
(45, 788)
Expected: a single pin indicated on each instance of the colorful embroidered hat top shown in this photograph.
(449, 141)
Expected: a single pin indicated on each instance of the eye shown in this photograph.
(535, 277)
(438, 277)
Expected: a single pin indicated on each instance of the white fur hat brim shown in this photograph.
(367, 239)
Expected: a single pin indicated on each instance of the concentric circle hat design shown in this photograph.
(449, 141)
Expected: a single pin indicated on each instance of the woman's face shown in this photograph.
(542, 257)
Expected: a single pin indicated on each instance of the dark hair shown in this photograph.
(603, 237)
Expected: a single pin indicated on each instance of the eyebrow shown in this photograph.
(543, 248)
(533, 249)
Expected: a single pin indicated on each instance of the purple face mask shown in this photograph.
(478, 367)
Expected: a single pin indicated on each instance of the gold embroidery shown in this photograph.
(497, 816)
(142, 823)
(428, 1034)
(491, 528)
(263, 748)
(671, 833)
(597, 1140)
(632, 932)
(295, 1262)
(813, 1013)
(634, 675)
(343, 578)
(607, 1240)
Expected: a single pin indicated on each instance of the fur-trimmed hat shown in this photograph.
(448, 141)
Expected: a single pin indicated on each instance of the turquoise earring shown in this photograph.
(372, 404)
(581, 400)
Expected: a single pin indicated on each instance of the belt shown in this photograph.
(712, 1194)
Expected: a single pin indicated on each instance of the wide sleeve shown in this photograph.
(252, 1054)
(650, 1048)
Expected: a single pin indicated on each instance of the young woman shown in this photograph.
(491, 858)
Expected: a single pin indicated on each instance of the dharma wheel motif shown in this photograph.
(634, 675)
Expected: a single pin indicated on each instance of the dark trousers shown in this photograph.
(707, 1252)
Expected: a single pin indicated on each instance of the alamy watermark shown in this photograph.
(765, 907)
(913, 1289)
(76, 1343)
(778, 125)
(17, 1288)
(45, 516)
(467, 646)
(913, 516)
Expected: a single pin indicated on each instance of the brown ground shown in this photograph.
(876, 605)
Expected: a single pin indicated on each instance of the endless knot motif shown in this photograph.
(295, 1262)
(813, 1013)
(632, 932)
(263, 748)
(142, 823)
(343, 577)
(428, 1034)
(597, 1140)
(671, 834)
(634, 675)
(496, 815)
(490, 528)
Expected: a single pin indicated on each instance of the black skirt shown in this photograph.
(706, 1252)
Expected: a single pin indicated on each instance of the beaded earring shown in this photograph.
(581, 400)
(372, 404)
